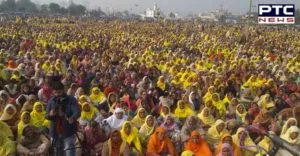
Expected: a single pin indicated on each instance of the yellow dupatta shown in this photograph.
(131, 138)
(183, 113)
(207, 120)
(37, 118)
(137, 120)
(88, 115)
(97, 97)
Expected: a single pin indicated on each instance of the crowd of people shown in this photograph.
(113, 87)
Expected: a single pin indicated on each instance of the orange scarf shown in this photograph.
(199, 148)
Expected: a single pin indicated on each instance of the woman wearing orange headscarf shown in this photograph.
(197, 145)
(160, 144)
(227, 138)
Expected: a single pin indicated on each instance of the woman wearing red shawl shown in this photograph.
(197, 145)
(160, 144)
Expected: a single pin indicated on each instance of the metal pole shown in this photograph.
(250, 10)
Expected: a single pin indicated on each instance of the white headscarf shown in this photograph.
(114, 122)
(285, 126)
(288, 133)
(5, 116)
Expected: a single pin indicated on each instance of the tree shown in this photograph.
(8, 5)
(26, 6)
(54, 8)
(76, 10)
(172, 15)
(44, 8)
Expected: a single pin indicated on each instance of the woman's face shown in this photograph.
(191, 123)
(10, 111)
(150, 121)
(169, 121)
(294, 135)
(26, 118)
(116, 137)
(142, 113)
(242, 135)
(165, 110)
(86, 108)
(119, 115)
(221, 127)
(208, 104)
(215, 98)
(293, 97)
(228, 140)
(96, 92)
(181, 105)
(195, 139)
(113, 98)
(240, 109)
(127, 128)
(161, 135)
(39, 108)
(206, 112)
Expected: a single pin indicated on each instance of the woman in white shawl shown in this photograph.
(290, 122)
(292, 135)
(116, 120)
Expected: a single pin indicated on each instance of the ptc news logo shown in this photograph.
(276, 13)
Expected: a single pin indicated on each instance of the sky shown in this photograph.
(183, 7)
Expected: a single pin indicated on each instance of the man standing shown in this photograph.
(63, 112)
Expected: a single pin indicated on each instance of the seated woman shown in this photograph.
(130, 135)
(226, 138)
(115, 145)
(147, 129)
(197, 145)
(9, 116)
(7, 146)
(160, 144)
(94, 137)
(240, 114)
(38, 115)
(116, 120)
(88, 113)
(164, 111)
(171, 127)
(139, 119)
(192, 123)
(242, 139)
(206, 118)
(292, 135)
(226, 150)
(33, 142)
(216, 131)
(97, 96)
(182, 111)
(24, 120)
(290, 122)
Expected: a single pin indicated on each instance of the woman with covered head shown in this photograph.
(192, 123)
(115, 146)
(38, 115)
(24, 121)
(226, 150)
(33, 142)
(197, 145)
(116, 120)
(290, 122)
(94, 137)
(130, 135)
(216, 131)
(241, 114)
(88, 113)
(292, 135)
(147, 129)
(160, 144)
(206, 117)
(243, 140)
(97, 96)
(7, 146)
(161, 83)
(109, 104)
(227, 139)
(140, 118)
(183, 110)
(219, 104)
(9, 115)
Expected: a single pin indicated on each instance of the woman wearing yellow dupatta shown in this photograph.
(131, 135)
(38, 115)
(74, 62)
(242, 138)
(216, 131)
(251, 82)
(147, 129)
(161, 83)
(183, 110)
(25, 120)
(206, 117)
(88, 113)
(240, 113)
(140, 118)
(7, 146)
(219, 104)
(97, 96)
(46, 67)
(208, 95)
(266, 102)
